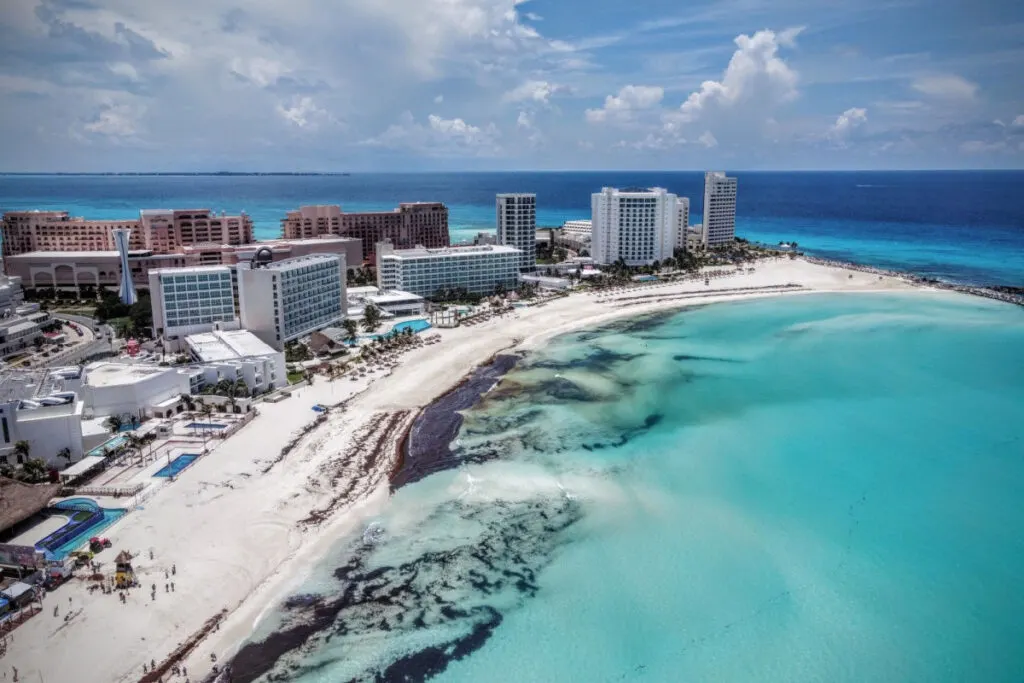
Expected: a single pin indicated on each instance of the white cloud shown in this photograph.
(755, 74)
(115, 120)
(303, 113)
(1019, 121)
(439, 99)
(982, 146)
(707, 139)
(440, 137)
(630, 99)
(535, 91)
(949, 87)
(524, 120)
(853, 117)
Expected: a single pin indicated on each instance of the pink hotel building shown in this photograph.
(53, 249)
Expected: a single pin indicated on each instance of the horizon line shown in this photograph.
(478, 171)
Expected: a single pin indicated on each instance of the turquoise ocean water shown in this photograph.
(814, 488)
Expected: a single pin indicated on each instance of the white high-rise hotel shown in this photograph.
(719, 208)
(517, 226)
(635, 225)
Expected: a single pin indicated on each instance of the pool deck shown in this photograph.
(41, 530)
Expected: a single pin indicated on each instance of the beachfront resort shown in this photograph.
(232, 404)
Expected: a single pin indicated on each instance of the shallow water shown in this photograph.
(800, 489)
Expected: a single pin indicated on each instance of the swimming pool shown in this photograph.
(88, 519)
(414, 325)
(205, 425)
(177, 465)
(111, 445)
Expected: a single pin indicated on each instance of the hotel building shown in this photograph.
(517, 226)
(283, 301)
(634, 225)
(682, 221)
(159, 231)
(719, 209)
(412, 223)
(72, 269)
(422, 271)
(191, 300)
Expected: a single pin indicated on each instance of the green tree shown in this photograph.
(371, 318)
(64, 453)
(113, 423)
(351, 330)
(35, 471)
(21, 450)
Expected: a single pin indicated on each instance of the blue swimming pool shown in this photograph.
(109, 445)
(85, 520)
(177, 465)
(205, 425)
(414, 325)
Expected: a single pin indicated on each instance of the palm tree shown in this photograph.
(65, 453)
(371, 318)
(113, 423)
(22, 449)
(134, 445)
(351, 330)
(190, 403)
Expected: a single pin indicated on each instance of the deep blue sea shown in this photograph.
(961, 226)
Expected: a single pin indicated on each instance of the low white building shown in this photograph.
(238, 355)
(48, 429)
(394, 303)
(132, 390)
(424, 272)
(546, 282)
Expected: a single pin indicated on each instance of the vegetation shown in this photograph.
(371, 318)
(34, 471)
(455, 295)
(21, 450)
(113, 423)
(296, 377)
(64, 453)
(136, 319)
(295, 352)
(360, 277)
(351, 330)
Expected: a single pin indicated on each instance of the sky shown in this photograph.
(419, 85)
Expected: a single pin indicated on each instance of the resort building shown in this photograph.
(48, 429)
(410, 224)
(393, 303)
(682, 221)
(41, 410)
(72, 270)
(238, 356)
(11, 294)
(133, 390)
(159, 231)
(517, 226)
(191, 300)
(719, 209)
(426, 272)
(21, 330)
(634, 225)
(283, 301)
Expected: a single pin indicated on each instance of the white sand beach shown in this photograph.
(241, 528)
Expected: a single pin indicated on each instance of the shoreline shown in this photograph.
(244, 543)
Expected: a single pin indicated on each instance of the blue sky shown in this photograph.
(401, 85)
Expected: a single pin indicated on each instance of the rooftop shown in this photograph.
(423, 252)
(227, 345)
(20, 501)
(300, 261)
(191, 270)
(393, 296)
(77, 255)
(113, 374)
